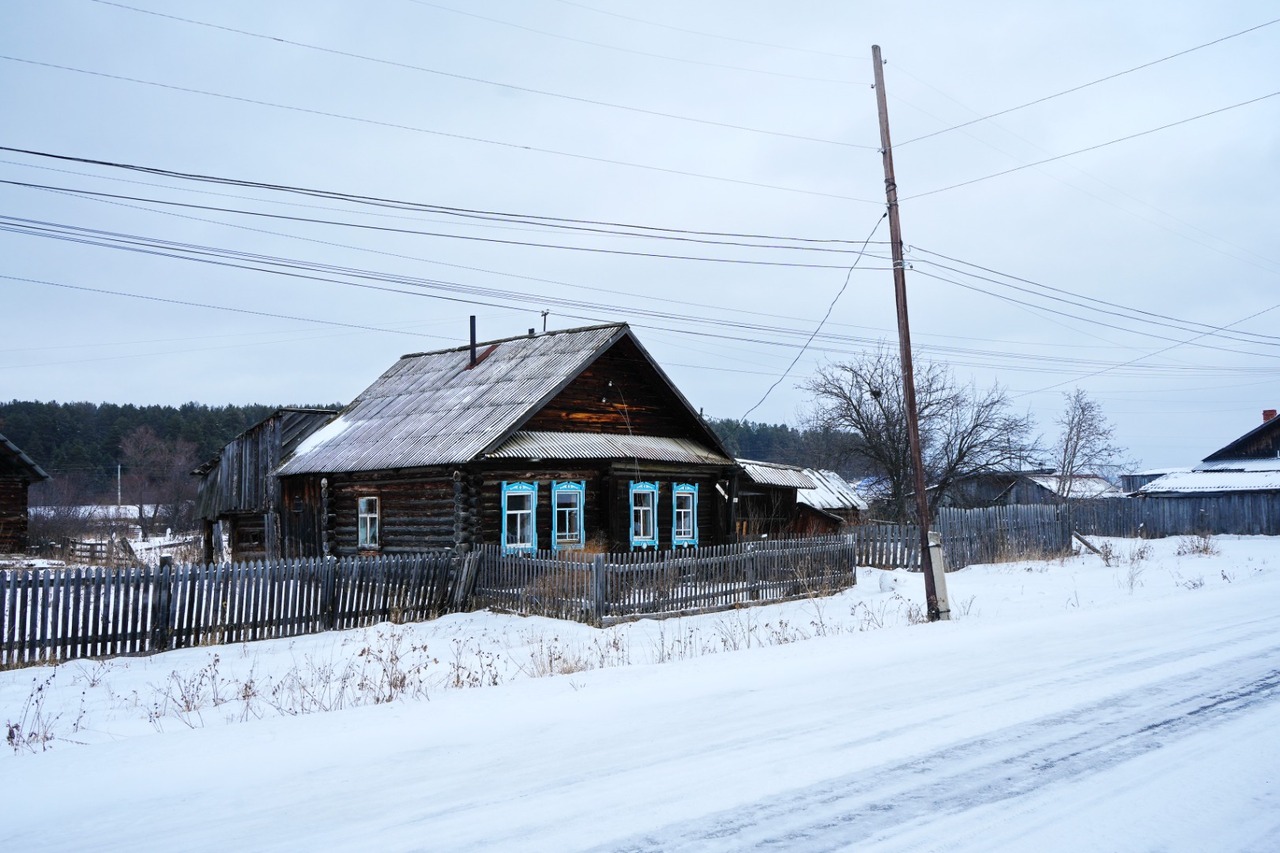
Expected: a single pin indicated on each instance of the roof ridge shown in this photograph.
(524, 337)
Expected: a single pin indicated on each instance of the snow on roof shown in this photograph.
(1082, 486)
(1240, 465)
(775, 474)
(1214, 481)
(830, 492)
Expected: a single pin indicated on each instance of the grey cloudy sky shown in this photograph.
(748, 118)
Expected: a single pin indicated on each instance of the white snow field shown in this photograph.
(1071, 706)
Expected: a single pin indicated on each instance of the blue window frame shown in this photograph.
(519, 518)
(644, 515)
(684, 514)
(567, 501)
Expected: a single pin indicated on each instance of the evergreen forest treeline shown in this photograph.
(81, 441)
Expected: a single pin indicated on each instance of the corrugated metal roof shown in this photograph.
(775, 474)
(430, 409)
(1214, 481)
(830, 492)
(590, 445)
(433, 409)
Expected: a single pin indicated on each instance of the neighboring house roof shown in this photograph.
(776, 474)
(1082, 485)
(1248, 464)
(830, 492)
(15, 455)
(1226, 475)
(436, 408)
(1214, 481)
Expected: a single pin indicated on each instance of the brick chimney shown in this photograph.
(1268, 414)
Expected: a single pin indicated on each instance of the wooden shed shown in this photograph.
(566, 440)
(239, 496)
(17, 473)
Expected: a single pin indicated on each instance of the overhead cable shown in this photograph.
(1087, 85)
(509, 86)
(1094, 147)
(432, 132)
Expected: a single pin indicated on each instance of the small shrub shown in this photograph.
(1201, 545)
(33, 729)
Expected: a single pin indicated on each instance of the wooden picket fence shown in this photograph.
(607, 588)
(59, 614)
(1256, 514)
(1002, 533)
(94, 611)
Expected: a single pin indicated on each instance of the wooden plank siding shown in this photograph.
(13, 512)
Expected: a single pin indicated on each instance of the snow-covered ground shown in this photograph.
(1071, 705)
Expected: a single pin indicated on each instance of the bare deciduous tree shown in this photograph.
(963, 430)
(1086, 443)
(158, 480)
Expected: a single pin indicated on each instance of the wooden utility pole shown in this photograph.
(935, 579)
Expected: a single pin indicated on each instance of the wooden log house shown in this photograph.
(571, 440)
(17, 473)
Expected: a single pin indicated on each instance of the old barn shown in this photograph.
(17, 473)
(565, 440)
(239, 496)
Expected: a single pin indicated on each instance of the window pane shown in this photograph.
(568, 506)
(519, 519)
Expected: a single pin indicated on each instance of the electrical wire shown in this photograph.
(1126, 313)
(430, 131)
(719, 36)
(831, 307)
(467, 237)
(426, 207)
(509, 86)
(1095, 147)
(1087, 85)
(634, 52)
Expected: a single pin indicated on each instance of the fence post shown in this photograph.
(161, 605)
(599, 586)
(329, 593)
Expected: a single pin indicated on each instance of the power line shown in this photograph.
(572, 308)
(441, 133)
(206, 305)
(509, 86)
(1090, 83)
(1095, 147)
(425, 207)
(1095, 322)
(848, 276)
(1124, 311)
(467, 237)
(1172, 346)
(634, 51)
(720, 36)
(1267, 263)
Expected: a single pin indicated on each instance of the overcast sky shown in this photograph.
(739, 118)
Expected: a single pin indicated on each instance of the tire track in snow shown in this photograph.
(1003, 765)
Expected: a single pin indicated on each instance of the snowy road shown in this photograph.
(1132, 724)
(1009, 766)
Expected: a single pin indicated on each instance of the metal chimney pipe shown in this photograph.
(473, 340)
